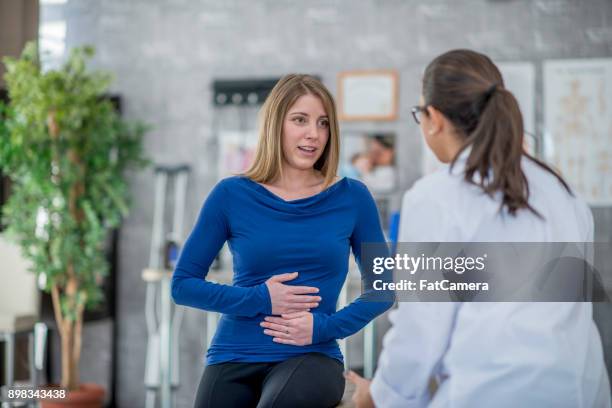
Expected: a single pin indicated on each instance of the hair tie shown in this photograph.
(491, 90)
(479, 105)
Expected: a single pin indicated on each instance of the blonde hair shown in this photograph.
(269, 154)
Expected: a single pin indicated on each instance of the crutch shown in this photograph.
(164, 320)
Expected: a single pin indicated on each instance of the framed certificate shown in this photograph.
(368, 95)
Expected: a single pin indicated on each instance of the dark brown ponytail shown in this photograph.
(469, 90)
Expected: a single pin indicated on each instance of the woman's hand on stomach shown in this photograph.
(287, 299)
(292, 328)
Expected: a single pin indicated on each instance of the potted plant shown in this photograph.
(66, 150)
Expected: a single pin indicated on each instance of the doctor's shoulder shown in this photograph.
(441, 189)
(431, 209)
(546, 187)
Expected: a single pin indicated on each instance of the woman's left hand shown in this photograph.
(293, 328)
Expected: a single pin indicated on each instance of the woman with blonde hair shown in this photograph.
(290, 223)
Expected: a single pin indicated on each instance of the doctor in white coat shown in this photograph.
(486, 354)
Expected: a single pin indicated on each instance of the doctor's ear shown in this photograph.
(436, 120)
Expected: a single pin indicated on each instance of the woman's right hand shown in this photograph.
(290, 299)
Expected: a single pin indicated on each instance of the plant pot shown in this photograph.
(88, 395)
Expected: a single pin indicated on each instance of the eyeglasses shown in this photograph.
(416, 113)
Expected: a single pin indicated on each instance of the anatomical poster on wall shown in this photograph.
(578, 124)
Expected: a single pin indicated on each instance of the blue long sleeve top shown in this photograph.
(268, 235)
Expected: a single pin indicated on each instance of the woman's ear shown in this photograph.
(436, 120)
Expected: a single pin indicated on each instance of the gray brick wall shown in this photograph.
(166, 53)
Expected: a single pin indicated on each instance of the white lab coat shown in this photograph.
(492, 354)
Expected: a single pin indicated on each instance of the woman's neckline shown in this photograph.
(327, 190)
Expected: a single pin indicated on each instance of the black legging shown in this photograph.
(311, 380)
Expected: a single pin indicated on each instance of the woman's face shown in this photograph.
(305, 132)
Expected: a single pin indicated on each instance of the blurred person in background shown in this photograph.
(381, 152)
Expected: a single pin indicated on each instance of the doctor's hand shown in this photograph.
(362, 397)
(292, 328)
(290, 299)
